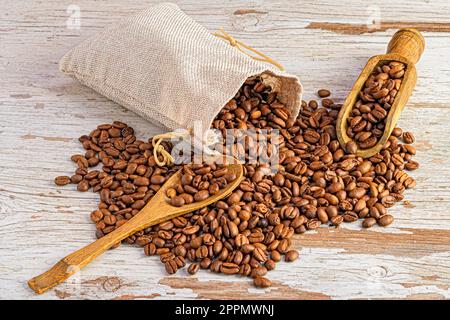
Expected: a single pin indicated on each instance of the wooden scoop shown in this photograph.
(406, 46)
(156, 211)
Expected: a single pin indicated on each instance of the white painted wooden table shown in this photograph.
(42, 112)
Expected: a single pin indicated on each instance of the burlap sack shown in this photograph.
(167, 68)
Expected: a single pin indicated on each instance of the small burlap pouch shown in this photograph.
(167, 68)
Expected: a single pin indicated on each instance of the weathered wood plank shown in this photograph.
(326, 43)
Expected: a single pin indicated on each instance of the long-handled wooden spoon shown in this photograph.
(406, 46)
(156, 211)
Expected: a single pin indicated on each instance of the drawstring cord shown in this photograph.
(159, 150)
(239, 45)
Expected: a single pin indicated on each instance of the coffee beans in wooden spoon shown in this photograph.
(199, 182)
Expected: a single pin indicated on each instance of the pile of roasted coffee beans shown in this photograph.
(129, 176)
(367, 119)
(248, 232)
(199, 182)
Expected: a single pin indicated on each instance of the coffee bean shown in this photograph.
(351, 147)
(327, 103)
(110, 220)
(270, 265)
(275, 255)
(262, 282)
(259, 271)
(337, 220)
(171, 267)
(92, 162)
(323, 93)
(62, 180)
(291, 255)
(201, 195)
(369, 222)
(189, 230)
(215, 266)
(177, 201)
(205, 263)
(193, 268)
(397, 132)
(83, 186)
(408, 137)
(96, 215)
(141, 181)
(229, 268)
(157, 179)
(76, 178)
(385, 220)
(259, 254)
(412, 165)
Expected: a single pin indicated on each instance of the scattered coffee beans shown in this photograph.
(249, 231)
(129, 176)
(367, 119)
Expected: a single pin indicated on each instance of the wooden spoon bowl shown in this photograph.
(156, 211)
(406, 46)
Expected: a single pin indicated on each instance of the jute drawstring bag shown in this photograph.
(170, 70)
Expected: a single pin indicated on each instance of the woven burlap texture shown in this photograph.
(169, 69)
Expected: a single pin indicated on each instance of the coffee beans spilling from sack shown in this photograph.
(367, 120)
(248, 232)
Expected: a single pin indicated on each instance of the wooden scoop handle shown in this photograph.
(408, 43)
(79, 259)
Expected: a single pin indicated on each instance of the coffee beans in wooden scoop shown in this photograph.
(367, 119)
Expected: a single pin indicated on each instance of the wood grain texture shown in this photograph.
(43, 112)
